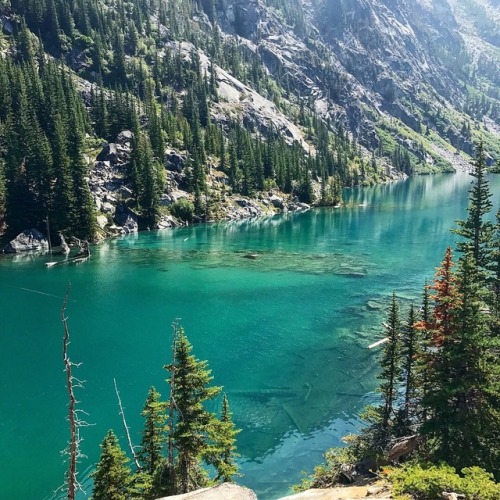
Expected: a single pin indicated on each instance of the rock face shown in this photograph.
(225, 491)
(28, 240)
(127, 219)
(373, 60)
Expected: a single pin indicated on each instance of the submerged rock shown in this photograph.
(28, 240)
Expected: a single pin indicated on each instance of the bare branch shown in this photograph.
(73, 450)
(127, 429)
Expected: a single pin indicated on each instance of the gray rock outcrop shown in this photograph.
(224, 491)
(28, 240)
(127, 219)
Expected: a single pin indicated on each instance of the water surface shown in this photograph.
(286, 333)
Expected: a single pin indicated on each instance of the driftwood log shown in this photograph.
(402, 447)
(64, 246)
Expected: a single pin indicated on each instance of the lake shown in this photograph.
(286, 333)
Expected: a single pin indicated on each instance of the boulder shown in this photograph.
(242, 202)
(28, 240)
(175, 162)
(124, 136)
(7, 25)
(102, 221)
(127, 219)
(452, 496)
(277, 201)
(108, 153)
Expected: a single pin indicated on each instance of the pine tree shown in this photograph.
(494, 267)
(409, 353)
(476, 231)
(191, 431)
(112, 476)
(390, 364)
(84, 221)
(441, 325)
(222, 451)
(2, 194)
(154, 435)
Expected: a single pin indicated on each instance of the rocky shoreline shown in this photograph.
(110, 192)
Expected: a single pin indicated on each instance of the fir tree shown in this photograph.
(409, 353)
(222, 451)
(154, 435)
(191, 431)
(445, 300)
(112, 476)
(390, 364)
(476, 231)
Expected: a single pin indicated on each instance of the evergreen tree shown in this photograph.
(494, 267)
(2, 194)
(222, 450)
(409, 353)
(476, 231)
(439, 368)
(112, 476)
(154, 436)
(390, 364)
(84, 221)
(191, 430)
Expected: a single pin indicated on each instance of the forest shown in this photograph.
(50, 126)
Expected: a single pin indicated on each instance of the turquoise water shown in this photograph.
(286, 334)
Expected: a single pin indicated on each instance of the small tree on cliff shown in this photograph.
(112, 476)
(190, 433)
(222, 451)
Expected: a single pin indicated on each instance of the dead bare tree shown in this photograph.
(127, 429)
(171, 406)
(75, 422)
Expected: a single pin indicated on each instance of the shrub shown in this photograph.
(182, 209)
(427, 482)
(329, 473)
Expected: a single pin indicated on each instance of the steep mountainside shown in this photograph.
(216, 109)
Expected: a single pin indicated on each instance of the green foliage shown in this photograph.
(222, 449)
(112, 477)
(424, 481)
(190, 392)
(328, 474)
(475, 230)
(183, 209)
(154, 433)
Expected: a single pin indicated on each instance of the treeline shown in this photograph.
(42, 142)
(181, 440)
(144, 83)
(440, 365)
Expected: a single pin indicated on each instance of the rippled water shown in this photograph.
(285, 332)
